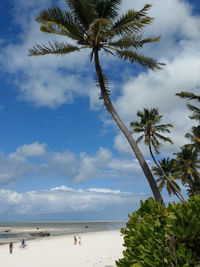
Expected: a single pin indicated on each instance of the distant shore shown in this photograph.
(97, 249)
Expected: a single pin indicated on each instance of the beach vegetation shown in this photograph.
(156, 235)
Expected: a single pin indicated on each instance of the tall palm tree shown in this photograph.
(188, 164)
(151, 133)
(96, 25)
(169, 169)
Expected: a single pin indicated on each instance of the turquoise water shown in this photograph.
(16, 231)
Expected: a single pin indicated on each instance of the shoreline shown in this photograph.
(15, 232)
(97, 249)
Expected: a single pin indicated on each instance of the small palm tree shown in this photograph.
(194, 109)
(96, 25)
(194, 135)
(188, 164)
(169, 169)
(150, 128)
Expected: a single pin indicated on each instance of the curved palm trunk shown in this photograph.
(190, 183)
(110, 108)
(178, 194)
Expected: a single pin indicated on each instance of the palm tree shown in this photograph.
(96, 25)
(194, 109)
(194, 135)
(169, 169)
(187, 164)
(150, 128)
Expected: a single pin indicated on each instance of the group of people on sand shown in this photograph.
(75, 240)
(11, 245)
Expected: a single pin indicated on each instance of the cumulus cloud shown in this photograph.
(90, 165)
(50, 202)
(179, 49)
(32, 150)
(36, 160)
(52, 81)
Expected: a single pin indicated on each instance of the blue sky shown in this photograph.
(61, 155)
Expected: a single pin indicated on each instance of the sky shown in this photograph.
(61, 155)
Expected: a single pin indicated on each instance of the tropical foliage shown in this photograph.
(187, 165)
(151, 129)
(194, 135)
(168, 166)
(97, 25)
(158, 236)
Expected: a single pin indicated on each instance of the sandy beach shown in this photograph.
(97, 249)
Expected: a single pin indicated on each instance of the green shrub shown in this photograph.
(160, 236)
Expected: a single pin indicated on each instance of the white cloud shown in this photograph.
(90, 165)
(52, 81)
(31, 150)
(104, 190)
(37, 203)
(61, 188)
(35, 160)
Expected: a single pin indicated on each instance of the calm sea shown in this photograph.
(16, 231)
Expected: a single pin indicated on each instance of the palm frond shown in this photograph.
(107, 51)
(164, 138)
(99, 30)
(106, 94)
(136, 41)
(52, 48)
(140, 138)
(134, 124)
(107, 8)
(156, 145)
(196, 112)
(55, 20)
(133, 57)
(132, 21)
(189, 96)
(83, 11)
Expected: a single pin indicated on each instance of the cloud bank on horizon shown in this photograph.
(35, 80)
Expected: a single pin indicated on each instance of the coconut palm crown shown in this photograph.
(188, 165)
(98, 26)
(169, 169)
(150, 128)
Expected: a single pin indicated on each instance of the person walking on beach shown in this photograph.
(79, 240)
(75, 240)
(11, 247)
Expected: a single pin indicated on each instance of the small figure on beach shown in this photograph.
(11, 247)
(23, 245)
(75, 240)
(79, 240)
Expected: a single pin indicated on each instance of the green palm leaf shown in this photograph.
(107, 8)
(83, 11)
(164, 138)
(133, 57)
(133, 42)
(52, 48)
(132, 21)
(55, 20)
(99, 30)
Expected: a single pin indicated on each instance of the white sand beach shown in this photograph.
(97, 249)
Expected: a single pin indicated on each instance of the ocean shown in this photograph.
(16, 231)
